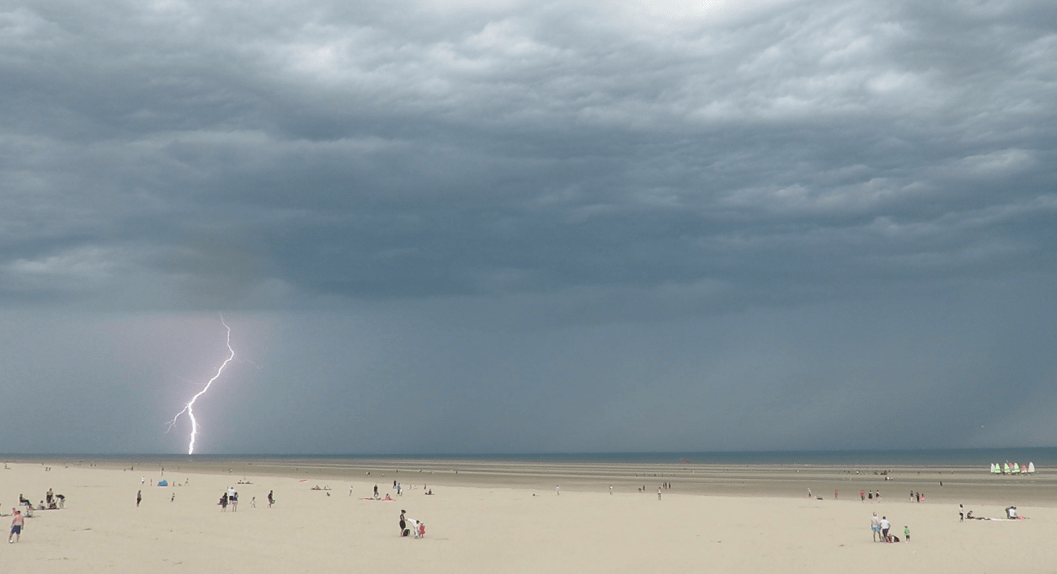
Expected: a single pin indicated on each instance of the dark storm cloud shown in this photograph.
(393, 151)
(829, 171)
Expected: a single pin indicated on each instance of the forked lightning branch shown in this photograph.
(189, 407)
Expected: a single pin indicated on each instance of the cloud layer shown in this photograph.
(555, 180)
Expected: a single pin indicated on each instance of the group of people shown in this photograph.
(881, 527)
(864, 495)
(51, 501)
(411, 527)
(1011, 514)
(25, 508)
(230, 497)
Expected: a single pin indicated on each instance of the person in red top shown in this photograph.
(862, 495)
(421, 529)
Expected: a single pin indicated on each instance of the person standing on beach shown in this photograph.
(961, 513)
(875, 525)
(885, 526)
(558, 490)
(271, 500)
(862, 495)
(139, 497)
(809, 495)
(16, 527)
(403, 523)
(835, 494)
(906, 534)
(658, 493)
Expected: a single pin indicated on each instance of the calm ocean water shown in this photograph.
(952, 457)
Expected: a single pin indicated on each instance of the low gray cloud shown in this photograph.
(561, 184)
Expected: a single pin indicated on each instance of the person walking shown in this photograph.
(16, 527)
(271, 500)
(139, 497)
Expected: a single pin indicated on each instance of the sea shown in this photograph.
(924, 457)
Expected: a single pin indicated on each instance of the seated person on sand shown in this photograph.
(387, 496)
(1011, 512)
(316, 487)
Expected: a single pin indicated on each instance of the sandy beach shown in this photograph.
(507, 517)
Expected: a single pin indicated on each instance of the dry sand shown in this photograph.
(495, 517)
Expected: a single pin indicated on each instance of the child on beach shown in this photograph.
(906, 533)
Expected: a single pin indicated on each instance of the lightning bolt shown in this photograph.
(189, 407)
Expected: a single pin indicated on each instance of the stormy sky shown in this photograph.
(471, 227)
